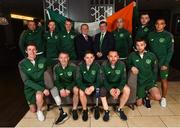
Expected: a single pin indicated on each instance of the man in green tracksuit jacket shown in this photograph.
(161, 43)
(144, 64)
(32, 71)
(145, 28)
(123, 40)
(114, 78)
(37, 80)
(65, 80)
(52, 43)
(32, 34)
(88, 81)
(67, 41)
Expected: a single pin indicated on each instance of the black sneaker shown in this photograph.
(85, 115)
(106, 116)
(62, 118)
(74, 114)
(147, 102)
(122, 115)
(96, 113)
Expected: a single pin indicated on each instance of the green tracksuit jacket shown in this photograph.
(123, 42)
(28, 36)
(33, 77)
(67, 44)
(147, 67)
(162, 45)
(65, 78)
(114, 78)
(89, 77)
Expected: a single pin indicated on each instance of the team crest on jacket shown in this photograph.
(146, 29)
(93, 72)
(72, 36)
(40, 66)
(161, 40)
(117, 72)
(152, 39)
(121, 35)
(69, 73)
(56, 37)
(29, 69)
(148, 61)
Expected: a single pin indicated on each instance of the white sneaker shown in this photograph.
(40, 115)
(163, 102)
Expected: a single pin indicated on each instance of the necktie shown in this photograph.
(101, 40)
(86, 37)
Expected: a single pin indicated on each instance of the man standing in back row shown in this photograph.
(123, 40)
(103, 42)
(161, 43)
(67, 43)
(32, 34)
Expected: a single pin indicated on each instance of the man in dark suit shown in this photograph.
(83, 42)
(103, 42)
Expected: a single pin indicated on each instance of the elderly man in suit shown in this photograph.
(83, 42)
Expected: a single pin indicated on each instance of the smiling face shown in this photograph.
(140, 46)
(160, 25)
(144, 19)
(63, 59)
(84, 29)
(113, 57)
(52, 26)
(31, 25)
(89, 58)
(31, 52)
(103, 27)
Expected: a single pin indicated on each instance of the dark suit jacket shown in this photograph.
(82, 45)
(107, 44)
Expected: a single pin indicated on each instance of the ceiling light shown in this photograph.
(22, 17)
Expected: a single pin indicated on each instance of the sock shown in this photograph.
(119, 109)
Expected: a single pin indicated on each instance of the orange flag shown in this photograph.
(126, 13)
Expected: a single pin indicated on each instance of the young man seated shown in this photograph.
(114, 78)
(65, 81)
(88, 81)
(144, 64)
(32, 71)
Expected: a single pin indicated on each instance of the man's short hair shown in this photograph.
(31, 44)
(145, 13)
(113, 51)
(103, 22)
(63, 52)
(88, 52)
(30, 21)
(160, 18)
(140, 40)
(84, 25)
(51, 21)
(68, 20)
